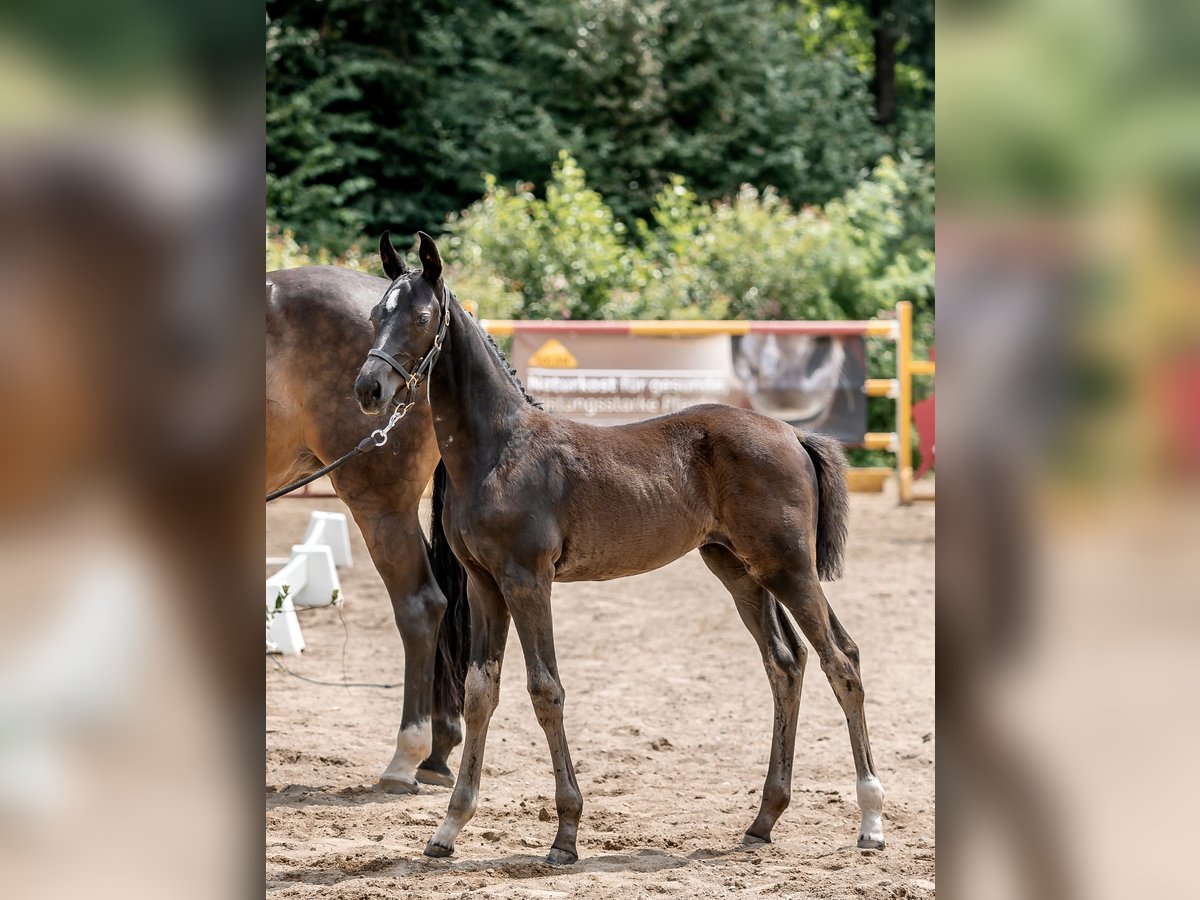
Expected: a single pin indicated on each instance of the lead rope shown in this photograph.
(376, 438)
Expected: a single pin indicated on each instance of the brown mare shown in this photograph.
(318, 331)
(535, 499)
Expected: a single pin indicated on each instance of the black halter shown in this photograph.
(425, 366)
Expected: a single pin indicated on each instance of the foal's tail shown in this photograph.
(832, 501)
(454, 637)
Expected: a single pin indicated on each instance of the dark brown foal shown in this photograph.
(317, 334)
(535, 499)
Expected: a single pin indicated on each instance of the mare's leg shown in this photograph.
(783, 656)
(799, 589)
(398, 550)
(528, 599)
(489, 632)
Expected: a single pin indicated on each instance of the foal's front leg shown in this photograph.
(528, 598)
(489, 632)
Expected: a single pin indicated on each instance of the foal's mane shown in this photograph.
(505, 365)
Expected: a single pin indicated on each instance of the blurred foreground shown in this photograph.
(130, 450)
(1069, 443)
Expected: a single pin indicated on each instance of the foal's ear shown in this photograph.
(431, 260)
(393, 265)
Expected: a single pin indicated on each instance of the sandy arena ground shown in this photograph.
(668, 713)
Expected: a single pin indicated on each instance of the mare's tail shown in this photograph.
(454, 636)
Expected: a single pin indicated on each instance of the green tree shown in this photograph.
(892, 45)
(319, 139)
(387, 115)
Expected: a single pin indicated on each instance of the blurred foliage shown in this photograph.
(566, 255)
(285, 252)
(560, 257)
(849, 26)
(387, 116)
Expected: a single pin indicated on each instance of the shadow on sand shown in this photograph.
(299, 795)
(330, 871)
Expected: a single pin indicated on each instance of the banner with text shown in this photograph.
(813, 381)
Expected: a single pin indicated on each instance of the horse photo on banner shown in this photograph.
(815, 382)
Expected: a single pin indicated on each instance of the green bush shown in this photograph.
(385, 115)
(753, 257)
(564, 256)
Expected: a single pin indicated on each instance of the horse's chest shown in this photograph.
(494, 535)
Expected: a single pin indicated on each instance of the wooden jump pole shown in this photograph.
(904, 470)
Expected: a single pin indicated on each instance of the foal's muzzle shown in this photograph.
(375, 387)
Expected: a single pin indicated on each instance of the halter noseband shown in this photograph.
(412, 380)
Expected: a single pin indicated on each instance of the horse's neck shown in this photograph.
(473, 399)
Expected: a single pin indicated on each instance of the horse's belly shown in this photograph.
(620, 551)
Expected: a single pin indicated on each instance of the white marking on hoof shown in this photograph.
(870, 802)
(413, 744)
(442, 842)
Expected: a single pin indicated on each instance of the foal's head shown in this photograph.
(406, 322)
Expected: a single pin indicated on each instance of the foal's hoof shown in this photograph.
(557, 857)
(749, 838)
(393, 784)
(870, 843)
(438, 851)
(435, 776)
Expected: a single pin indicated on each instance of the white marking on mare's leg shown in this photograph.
(870, 802)
(413, 744)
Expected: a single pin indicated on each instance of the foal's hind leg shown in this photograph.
(783, 656)
(489, 632)
(802, 595)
